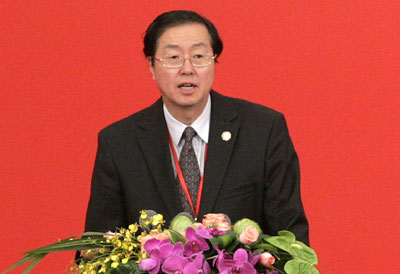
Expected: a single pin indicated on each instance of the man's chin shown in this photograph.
(188, 101)
(188, 91)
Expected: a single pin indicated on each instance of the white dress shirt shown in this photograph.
(202, 127)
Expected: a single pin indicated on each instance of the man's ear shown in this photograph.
(151, 67)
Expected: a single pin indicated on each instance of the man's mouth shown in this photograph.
(187, 86)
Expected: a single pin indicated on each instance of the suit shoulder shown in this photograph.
(132, 121)
(247, 108)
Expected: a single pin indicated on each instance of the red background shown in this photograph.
(69, 68)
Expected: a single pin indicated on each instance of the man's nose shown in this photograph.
(187, 67)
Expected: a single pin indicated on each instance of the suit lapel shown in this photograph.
(155, 148)
(153, 139)
(219, 151)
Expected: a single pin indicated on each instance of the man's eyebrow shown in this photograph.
(172, 46)
(200, 44)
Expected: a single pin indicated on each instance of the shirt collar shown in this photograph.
(201, 125)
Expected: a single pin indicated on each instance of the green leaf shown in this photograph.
(74, 241)
(63, 245)
(34, 258)
(34, 262)
(240, 225)
(63, 248)
(287, 242)
(232, 246)
(297, 266)
(287, 235)
(91, 234)
(266, 247)
(280, 242)
(176, 236)
(213, 241)
(225, 240)
(74, 244)
(181, 222)
(301, 251)
(20, 262)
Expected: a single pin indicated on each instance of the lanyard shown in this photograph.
(183, 182)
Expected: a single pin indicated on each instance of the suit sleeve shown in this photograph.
(283, 206)
(106, 209)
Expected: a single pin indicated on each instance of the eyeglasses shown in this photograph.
(177, 61)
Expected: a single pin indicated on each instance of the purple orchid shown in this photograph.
(150, 265)
(175, 264)
(164, 247)
(204, 233)
(242, 263)
(186, 265)
(201, 264)
(216, 232)
(158, 252)
(253, 259)
(222, 256)
(195, 241)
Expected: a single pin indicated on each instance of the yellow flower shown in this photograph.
(144, 255)
(157, 219)
(102, 250)
(143, 214)
(114, 264)
(128, 235)
(133, 228)
(146, 223)
(125, 246)
(125, 260)
(118, 243)
(114, 258)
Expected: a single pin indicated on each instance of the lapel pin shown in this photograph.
(226, 136)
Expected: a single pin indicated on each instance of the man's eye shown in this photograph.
(173, 57)
(198, 56)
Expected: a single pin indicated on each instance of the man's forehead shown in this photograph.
(176, 46)
(187, 35)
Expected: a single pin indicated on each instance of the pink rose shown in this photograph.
(154, 234)
(218, 221)
(197, 225)
(144, 239)
(211, 218)
(249, 235)
(266, 259)
(223, 226)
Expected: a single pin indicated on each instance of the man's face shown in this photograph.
(186, 87)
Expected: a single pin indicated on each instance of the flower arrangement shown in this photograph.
(213, 246)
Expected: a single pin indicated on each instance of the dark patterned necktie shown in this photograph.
(189, 165)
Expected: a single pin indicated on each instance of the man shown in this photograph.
(241, 159)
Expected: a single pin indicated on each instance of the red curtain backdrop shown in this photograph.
(70, 68)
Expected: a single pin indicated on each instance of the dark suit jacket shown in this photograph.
(255, 174)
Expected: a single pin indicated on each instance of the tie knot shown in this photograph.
(188, 134)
